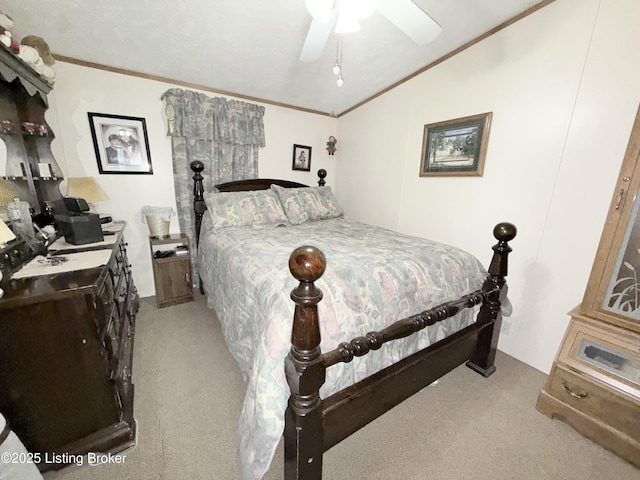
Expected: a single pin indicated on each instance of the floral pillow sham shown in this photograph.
(245, 209)
(306, 204)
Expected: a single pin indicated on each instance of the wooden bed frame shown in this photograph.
(312, 424)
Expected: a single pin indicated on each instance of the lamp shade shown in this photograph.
(7, 192)
(87, 188)
(5, 233)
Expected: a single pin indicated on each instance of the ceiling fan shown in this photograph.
(404, 14)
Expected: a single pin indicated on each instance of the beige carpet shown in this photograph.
(189, 391)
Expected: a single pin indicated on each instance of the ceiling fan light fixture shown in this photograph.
(364, 8)
(320, 10)
(346, 23)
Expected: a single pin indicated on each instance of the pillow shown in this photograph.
(244, 209)
(306, 204)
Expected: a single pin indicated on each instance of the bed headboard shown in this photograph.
(199, 207)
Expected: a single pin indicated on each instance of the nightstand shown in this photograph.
(171, 269)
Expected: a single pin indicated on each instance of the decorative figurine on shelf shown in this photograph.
(331, 145)
(43, 64)
(6, 21)
(20, 215)
(6, 126)
(29, 128)
(7, 41)
(5, 34)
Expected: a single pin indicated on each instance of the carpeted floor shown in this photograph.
(189, 392)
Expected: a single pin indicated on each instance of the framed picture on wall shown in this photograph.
(121, 143)
(301, 158)
(455, 147)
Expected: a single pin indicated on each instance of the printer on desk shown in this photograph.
(78, 225)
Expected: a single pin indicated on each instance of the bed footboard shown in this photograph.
(313, 425)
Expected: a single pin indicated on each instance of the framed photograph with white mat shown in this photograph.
(121, 144)
(301, 158)
(455, 147)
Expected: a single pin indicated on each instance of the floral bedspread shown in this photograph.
(389, 277)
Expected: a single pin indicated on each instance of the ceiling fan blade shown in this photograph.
(317, 37)
(411, 19)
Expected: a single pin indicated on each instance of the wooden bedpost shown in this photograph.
(322, 173)
(199, 206)
(490, 315)
(305, 371)
(198, 195)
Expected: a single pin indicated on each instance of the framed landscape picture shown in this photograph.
(120, 143)
(455, 147)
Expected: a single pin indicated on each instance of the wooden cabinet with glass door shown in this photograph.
(594, 383)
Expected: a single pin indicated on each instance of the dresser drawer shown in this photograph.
(619, 411)
(608, 354)
(125, 357)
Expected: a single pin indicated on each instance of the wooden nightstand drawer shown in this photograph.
(619, 411)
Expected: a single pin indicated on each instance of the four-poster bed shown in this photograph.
(372, 278)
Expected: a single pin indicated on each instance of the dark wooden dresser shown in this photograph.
(66, 348)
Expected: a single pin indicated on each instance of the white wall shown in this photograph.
(79, 90)
(563, 88)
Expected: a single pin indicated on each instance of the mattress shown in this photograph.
(373, 278)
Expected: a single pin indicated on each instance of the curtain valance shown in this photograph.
(196, 115)
(225, 135)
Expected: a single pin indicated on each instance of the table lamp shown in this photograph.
(6, 235)
(7, 193)
(86, 188)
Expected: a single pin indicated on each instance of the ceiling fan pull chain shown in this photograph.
(340, 80)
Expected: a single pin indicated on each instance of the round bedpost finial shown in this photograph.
(307, 263)
(505, 232)
(322, 173)
(197, 166)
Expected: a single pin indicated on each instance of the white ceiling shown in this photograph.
(251, 47)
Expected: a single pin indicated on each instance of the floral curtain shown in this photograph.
(225, 135)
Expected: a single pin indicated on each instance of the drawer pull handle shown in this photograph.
(571, 392)
(620, 198)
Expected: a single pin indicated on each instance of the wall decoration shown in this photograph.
(120, 143)
(455, 147)
(331, 145)
(301, 158)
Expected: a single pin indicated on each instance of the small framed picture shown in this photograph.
(455, 147)
(301, 158)
(121, 144)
